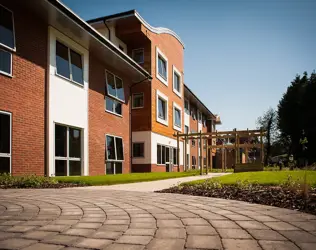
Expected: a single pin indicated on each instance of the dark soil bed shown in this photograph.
(266, 195)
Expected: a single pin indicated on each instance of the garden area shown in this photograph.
(287, 189)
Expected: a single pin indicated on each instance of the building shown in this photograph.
(88, 98)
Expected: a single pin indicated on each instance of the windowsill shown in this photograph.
(114, 113)
(177, 93)
(114, 161)
(177, 128)
(163, 122)
(71, 81)
(137, 107)
(6, 74)
(163, 80)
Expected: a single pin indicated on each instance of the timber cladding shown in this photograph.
(23, 94)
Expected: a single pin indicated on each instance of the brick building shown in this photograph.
(88, 98)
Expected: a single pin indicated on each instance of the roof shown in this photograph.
(157, 30)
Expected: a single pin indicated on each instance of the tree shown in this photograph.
(268, 122)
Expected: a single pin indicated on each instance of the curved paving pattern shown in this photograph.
(100, 219)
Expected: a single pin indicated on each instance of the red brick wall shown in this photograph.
(102, 122)
(24, 94)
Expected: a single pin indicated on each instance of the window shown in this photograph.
(138, 149)
(193, 141)
(188, 161)
(138, 55)
(7, 40)
(113, 106)
(193, 112)
(204, 120)
(177, 117)
(5, 142)
(175, 156)
(199, 116)
(162, 108)
(67, 151)
(176, 81)
(69, 63)
(138, 100)
(166, 154)
(186, 131)
(114, 154)
(204, 162)
(186, 107)
(161, 67)
(115, 86)
(193, 162)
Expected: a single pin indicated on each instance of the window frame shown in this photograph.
(199, 116)
(106, 147)
(13, 30)
(159, 77)
(165, 98)
(111, 112)
(139, 142)
(8, 155)
(68, 158)
(177, 72)
(69, 47)
(178, 107)
(140, 107)
(107, 90)
(133, 53)
(187, 110)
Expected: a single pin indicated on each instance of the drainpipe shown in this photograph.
(130, 118)
(108, 29)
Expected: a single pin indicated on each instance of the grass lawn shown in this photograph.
(122, 178)
(265, 177)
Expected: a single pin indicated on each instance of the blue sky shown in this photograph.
(240, 55)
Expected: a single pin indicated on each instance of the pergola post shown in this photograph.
(207, 155)
(201, 154)
(178, 151)
(262, 148)
(185, 153)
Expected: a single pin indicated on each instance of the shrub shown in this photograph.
(29, 181)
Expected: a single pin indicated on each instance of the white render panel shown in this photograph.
(200, 126)
(68, 101)
(163, 140)
(143, 136)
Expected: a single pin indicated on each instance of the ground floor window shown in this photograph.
(187, 161)
(114, 154)
(68, 153)
(193, 162)
(5, 142)
(138, 149)
(204, 162)
(166, 154)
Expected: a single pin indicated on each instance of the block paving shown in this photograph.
(66, 219)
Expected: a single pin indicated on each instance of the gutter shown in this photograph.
(84, 25)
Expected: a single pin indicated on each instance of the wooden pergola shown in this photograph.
(234, 134)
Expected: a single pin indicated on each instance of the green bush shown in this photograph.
(29, 181)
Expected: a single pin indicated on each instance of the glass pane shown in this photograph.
(4, 133)
(163, 154)
(60, 140)
(5, 61)
(176, 82)
(110, 84)
(60, 168)
(109, 104)
(175, 156)
(158, 154)
(110, 148)
(110, 168)
(161, 109)
(138, 149)
(74, 143)
(4, 165)
(138, 100)
(162, 69)
(177, 117)
(119, 89)
(118, 167)
(74, 167)
(119, 148)
(6, 28)
(62, 60)
(76, 67)
(118, 108)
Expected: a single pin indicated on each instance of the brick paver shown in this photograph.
(122, 220)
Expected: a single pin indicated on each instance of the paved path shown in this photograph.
(154, 185)
(68, 219)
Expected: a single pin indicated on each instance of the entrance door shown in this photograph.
(169, 159)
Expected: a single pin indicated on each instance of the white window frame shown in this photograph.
(8, 155)
(67, 158)
(178, 107)
(138, 142)
(11, 66)
(3, 45)
(106, 145)
(107, 91)
(160, 78)
(142, 49)
(188, 110)
(69, 47)
(199, 114)
(141, 93)
(165, 98)
(109, 111)
(177, 72)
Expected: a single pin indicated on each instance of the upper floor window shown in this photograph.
(176, 81)
(138, 100)
(138, 55)
(161, 67)
(186, 107)
(162, 108)
(199, 116)
(115, 86)
(113, 106)
(69, 63)
(204, 120)
(7, 41)
(177, 117)
(186, 131)
(193, 112)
